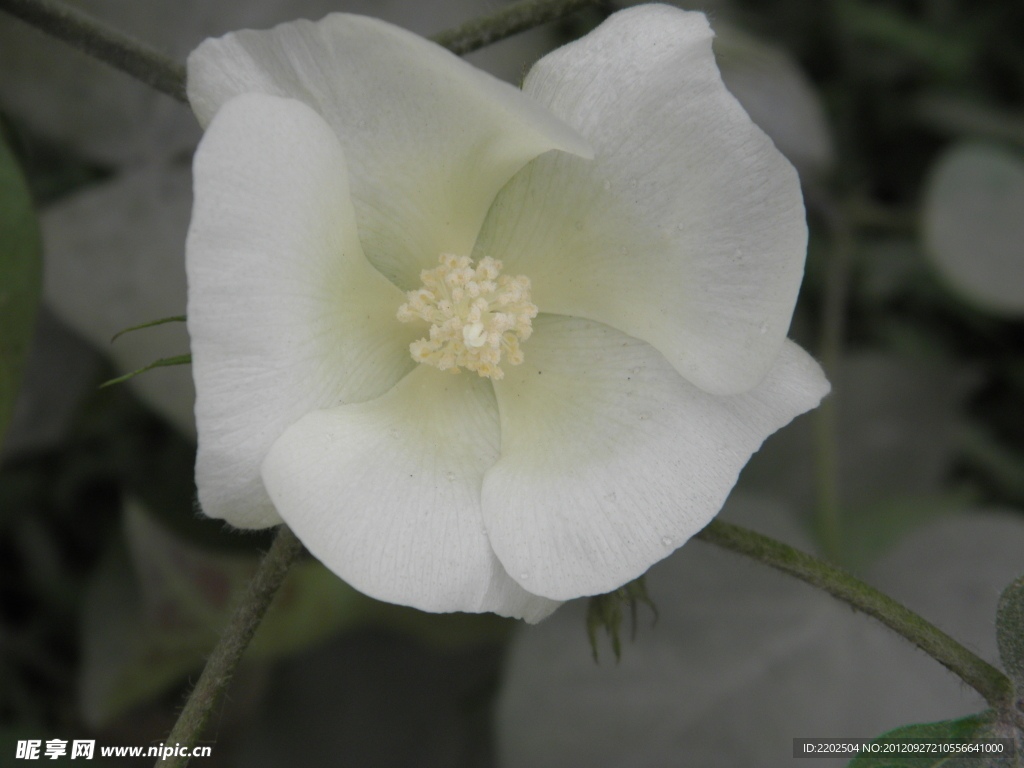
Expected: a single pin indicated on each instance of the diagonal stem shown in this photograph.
(103, 42)
(976, 672)
(222, 662)
(145, 63)
(510, 20)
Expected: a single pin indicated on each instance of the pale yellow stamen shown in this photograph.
(476, 316)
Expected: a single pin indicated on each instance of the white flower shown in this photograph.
(656, 231)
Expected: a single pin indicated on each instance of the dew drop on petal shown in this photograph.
(524, 576)
(763, 328)
(607, 186)
(666, 540)
(449, 476)
(393, 433)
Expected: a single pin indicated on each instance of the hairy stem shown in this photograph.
(239, 631)
(103, 42)
(139, 60)
(511, 20)
(976, 672)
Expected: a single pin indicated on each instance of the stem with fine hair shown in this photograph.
(144, 63)
(511, 20)
(103, 42)
(976, 672)
(225, 657)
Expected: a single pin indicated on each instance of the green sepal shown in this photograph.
(150, 324)
(1010, 632)
(178, 360)
(605, 612)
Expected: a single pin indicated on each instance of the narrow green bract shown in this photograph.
(1010, 633)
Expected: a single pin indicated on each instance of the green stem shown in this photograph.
(239, 631)
(976, 672)
(511, 20)
(103, 42)
(109, 45)
(828, 517)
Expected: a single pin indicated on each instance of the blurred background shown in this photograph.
(905, 119)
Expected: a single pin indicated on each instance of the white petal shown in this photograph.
(610, 460)
(429, 139)
(686, 230)
(777, 95)
(387, 495)
(286, 315)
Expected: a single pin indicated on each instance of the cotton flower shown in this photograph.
(485, 349)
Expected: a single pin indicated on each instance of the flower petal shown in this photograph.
(687, 228)
(610, 460)
(429, 139)
(286, 315)
(386, 494)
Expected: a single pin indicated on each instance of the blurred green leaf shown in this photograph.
(974, 225)
(962, 117)
(965, 730)
(872, 529)
(124, 662)
(21, 273)
(949, 55)
(158, 603)
(156, 608)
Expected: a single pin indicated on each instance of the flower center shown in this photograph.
(475, 316)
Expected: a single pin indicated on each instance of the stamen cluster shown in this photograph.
(476, 316)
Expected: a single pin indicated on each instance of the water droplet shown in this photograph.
(666, 540)
(635, 370)
(393, 433)
(738, 253)
(764, 328)
(579, 225)
(607, 186)
(680, 226)
(449, 476)
(524, 576)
